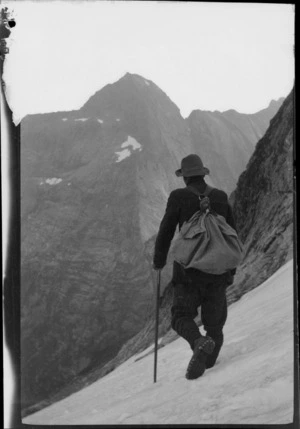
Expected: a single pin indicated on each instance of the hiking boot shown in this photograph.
(203, 347)
(211, 359)
(210, 362)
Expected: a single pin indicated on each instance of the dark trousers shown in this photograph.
(193, 289)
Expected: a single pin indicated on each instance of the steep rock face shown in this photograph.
(227, 140)
(263, 201)
(94, 188)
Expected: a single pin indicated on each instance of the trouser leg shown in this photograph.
(214, 315)
(184, 310)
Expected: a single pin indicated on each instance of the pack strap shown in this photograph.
(195, 191)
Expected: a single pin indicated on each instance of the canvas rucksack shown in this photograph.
(206, 241)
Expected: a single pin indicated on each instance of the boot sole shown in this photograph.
(198, 360)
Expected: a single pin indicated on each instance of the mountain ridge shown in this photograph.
(128, 75)
(226, 140)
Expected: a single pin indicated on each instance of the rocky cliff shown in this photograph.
(226, 140)
(263, 202)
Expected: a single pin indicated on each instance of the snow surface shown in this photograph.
(81, 119)
(130, 142)
(252, 382)
(100, 120)
(64, 119)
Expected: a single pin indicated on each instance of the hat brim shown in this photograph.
(199, 172)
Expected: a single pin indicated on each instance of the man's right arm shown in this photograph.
(166, 232)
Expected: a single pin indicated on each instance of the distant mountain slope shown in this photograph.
(252, 382)
(227, 140)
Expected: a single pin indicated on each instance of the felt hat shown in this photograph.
(192, 165)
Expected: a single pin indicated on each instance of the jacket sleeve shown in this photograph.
(166, 231)
(230, 218)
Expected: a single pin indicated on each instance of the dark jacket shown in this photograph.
(182, 204)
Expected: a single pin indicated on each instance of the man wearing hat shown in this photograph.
(194, 288)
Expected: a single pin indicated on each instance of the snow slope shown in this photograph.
(251, 383)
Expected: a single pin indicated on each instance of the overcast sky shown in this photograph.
(210, 56)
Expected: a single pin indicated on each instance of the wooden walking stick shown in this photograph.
(156, 323)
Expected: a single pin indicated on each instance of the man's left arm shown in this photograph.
(166, 232)
(231, 221)
(230, 218)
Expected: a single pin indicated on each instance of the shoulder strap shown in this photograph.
(195, 191)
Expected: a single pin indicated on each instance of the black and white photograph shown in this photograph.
(157, 267)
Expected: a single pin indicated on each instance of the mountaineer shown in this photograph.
(193, 287)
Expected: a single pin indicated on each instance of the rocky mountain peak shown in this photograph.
(130, 91)
(276, 103)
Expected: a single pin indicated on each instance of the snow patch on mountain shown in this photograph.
(147, 83)
(123, 154)
(252, 382)
(130, 142)
(51, 181)
(133, 143)
(81, 119)
(100, 121)
(64, 119)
